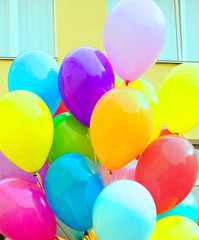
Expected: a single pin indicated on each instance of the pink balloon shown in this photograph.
(134, 37)
(8, 169)
(24, 211)
(127, 172)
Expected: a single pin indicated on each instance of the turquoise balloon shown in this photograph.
(124, 210)
(72, 185)
(37, 72)
(187, 208)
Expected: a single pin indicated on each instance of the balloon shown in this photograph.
(24, 211)
(124, 210)
(77, 235)
(117, 80)
(9, 169)
(152, 97)
(176, 228)
(70, 136)
(72, 185)
(168, 168)
(127, 172)
(180, 113)
(55, 238)
(37, 72)
(165, 131)
(61, 109)
(134, 37)
(85, 75)
(26, 128)
(121, 126)
(188, 208)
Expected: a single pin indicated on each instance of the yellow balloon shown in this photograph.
(176, 228)
(179, 97)
(152, 97)
(26, 129)
(120, 127)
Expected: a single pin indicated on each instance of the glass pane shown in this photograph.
(35, 28)
(190, 29)
(170, 52)
(4, 29)
(111, 4)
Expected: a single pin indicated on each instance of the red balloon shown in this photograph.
(61, 109)
(168, 168)
(165, 131)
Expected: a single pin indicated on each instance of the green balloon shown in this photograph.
(117, 78)
(70, 136)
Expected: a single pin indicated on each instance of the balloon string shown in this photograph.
(109, 173)
(86, 234)
(89, 236)
(95, 159)
(63, 230)
(71, 234)
(39, 183)
(120, 84)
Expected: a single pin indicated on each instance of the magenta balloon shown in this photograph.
(8, 169)
(125, 173)
(134, 37)
(85, 75)
(24, 211)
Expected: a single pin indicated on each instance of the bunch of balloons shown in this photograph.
(113, 168)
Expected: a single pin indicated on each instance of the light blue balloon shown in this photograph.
(72, 185)
(187, 208)
(37, 72)
(124, 210)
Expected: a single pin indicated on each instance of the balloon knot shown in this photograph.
(86, 234)
(34, 174)
(110, 172)
(127, 83)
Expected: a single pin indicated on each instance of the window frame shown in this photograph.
(179, 43)
(11, 4)
(195, 143)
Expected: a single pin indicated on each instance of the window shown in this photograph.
(182, 30)
(111, 4)
(196, 187)
(27, 24)
(182, 18)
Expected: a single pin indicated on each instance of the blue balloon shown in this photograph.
(73, 183)
(37, 72)
(187, 208)
(124, 210)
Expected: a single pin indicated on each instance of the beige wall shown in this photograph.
(80, 23)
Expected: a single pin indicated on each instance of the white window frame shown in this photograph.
(179, 43)
(196, 146)
(12, 18)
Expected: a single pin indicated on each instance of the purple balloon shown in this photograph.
(8, 169)
(85, 76)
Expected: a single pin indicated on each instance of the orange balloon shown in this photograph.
(121, 125)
